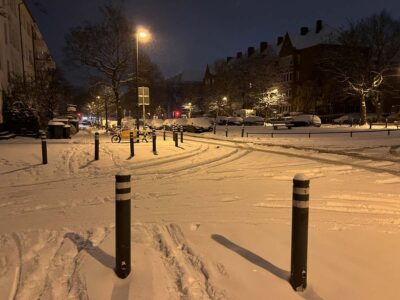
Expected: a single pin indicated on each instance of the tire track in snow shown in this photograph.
(111, 171)
(191, 276)
(194, 167)
(361, 165)
(18, 271)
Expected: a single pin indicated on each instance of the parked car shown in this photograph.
(168, 124)
(347, 119)
(253, 120)
(156, 124)
(394, 117)
(306, 120)
(221, 120)
(235, 121)
(199, 125)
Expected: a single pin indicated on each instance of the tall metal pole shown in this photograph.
(137, 79)
(144, 114)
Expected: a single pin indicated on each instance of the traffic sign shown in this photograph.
(144, 95)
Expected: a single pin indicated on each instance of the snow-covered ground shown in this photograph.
(210, 219)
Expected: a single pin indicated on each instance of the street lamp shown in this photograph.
(141, 35)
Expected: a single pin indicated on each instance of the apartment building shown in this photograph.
(297, 56)
(23, 51)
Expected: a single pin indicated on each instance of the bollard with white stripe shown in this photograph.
(44, 149)
(154, 139)
(176, 137)
(298, 266)
(123, 224)
(173, 132)
(96, 146)
(132, 145)
(164, 134)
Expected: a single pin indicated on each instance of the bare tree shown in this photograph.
(105, 48)
(370, 48)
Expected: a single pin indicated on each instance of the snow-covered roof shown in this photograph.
(327, 35)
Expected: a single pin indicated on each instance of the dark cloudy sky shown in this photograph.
(188, 34)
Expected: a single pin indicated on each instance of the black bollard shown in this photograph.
(44, 149)
(215, 128)
(96, 146)
(226, 130)
(181, 134)
(164, 134)
(154, 138)
(176, 138)
(243, 130)
(123, 225)
(298, 266)
(132, 144)
(173, 133)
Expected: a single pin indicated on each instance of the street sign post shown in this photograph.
(144, 99)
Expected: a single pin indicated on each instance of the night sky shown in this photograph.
(188, 34)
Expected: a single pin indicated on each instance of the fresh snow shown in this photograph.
(211, 219)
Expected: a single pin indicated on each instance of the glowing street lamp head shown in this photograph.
(143, 35)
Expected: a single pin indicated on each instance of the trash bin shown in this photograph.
(67, 131)
(56, 130)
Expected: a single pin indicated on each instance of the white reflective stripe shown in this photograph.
(123, 185)
(301, 191)
(122, 197)
(300, 204)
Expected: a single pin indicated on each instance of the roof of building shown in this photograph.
(327, 35)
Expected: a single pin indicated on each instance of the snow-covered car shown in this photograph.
(253, 120)
(199, 125)
(221, 120)
(156, 124)
(235, 121)
(168, 123)
(347, 119)
(306, 120)
(394, 117)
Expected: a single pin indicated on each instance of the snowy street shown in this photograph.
(210, 219)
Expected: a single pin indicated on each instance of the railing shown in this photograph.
(320, 133)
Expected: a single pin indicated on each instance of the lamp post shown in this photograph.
(142, 35)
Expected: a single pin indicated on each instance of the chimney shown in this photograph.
(318, 26)
(280, 40)
(263, 46)
(250, 51)
(303, 30)
(239, 55)
(229, 58)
